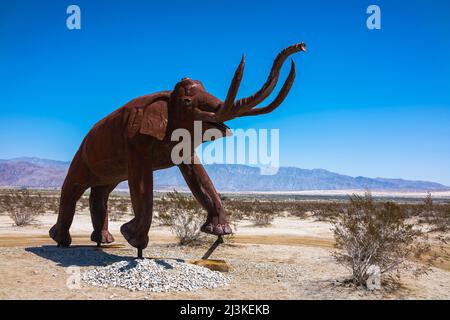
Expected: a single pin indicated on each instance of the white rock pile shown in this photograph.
(154, 275)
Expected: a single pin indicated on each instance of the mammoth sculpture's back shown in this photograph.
(133, 141)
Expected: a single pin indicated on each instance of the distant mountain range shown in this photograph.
(44, 173)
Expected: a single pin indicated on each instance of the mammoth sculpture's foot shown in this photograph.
(62, 237)
(103, 236)
(217, 229)
(138, 241)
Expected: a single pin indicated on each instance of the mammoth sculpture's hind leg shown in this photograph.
(203, 190)
(140, 181)
(98, 205)
(75, 184)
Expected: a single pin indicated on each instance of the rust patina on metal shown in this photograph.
(133, 141)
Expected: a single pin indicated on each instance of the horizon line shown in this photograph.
(247, 165)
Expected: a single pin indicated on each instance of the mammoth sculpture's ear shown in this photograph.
(150, 120)
(154, 121)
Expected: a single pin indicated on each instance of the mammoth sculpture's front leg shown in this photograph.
(203, 190)
(140, 180)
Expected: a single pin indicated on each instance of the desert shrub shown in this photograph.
(117, 208)
(436, 215)
(83, 203)
(184, 216)
(168, 206)
(5, 202)
(22, 206)
(320, 210)
(297, 208)
(234, 215)
(262, 219)
(187, 229)
(327, 211)
(371, 234)
(238, 210)
(43, 201)
(263, 213)
(52, 204)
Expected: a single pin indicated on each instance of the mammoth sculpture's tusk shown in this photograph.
(226, 108)
(244, 107)
(234, 87)
(247, 103)
(280, 97)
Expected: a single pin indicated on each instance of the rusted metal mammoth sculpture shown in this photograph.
(133, 141)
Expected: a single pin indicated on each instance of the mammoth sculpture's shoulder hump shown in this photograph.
(145, 100)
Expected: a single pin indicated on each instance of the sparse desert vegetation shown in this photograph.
(260, 210)
(377, 237)
(353, 234)
(118, 207)
(184, 216)
(22, 206)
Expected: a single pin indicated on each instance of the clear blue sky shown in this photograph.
(371, 103)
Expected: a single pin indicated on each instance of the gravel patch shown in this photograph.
(154, 275)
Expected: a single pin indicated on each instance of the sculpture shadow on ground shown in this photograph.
(165, 264)
(81, 256)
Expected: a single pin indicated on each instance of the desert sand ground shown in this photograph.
(292, 259)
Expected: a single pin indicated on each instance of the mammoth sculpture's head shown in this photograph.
(191, 102)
